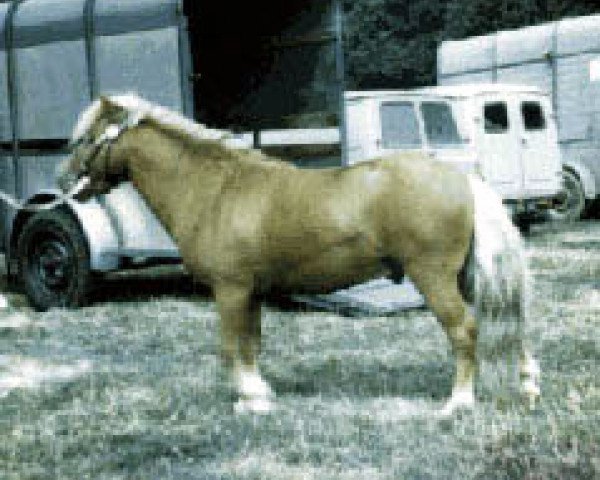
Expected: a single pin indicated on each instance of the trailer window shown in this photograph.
(495, 117)
(399, 126)
(533, 116)
(440, 126)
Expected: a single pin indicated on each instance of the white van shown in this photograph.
(505, 133)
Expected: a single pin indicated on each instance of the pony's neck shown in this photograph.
(166, 169)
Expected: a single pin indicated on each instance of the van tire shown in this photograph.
(571, 204)
(54, 261)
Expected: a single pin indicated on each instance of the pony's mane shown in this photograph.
(168, 119)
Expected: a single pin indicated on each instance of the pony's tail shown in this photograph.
(498, 283)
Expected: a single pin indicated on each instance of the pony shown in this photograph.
(247, 224)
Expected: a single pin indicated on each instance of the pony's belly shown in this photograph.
(323, 278)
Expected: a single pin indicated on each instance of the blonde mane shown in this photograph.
(168, 119)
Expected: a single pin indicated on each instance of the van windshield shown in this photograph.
(440, 126)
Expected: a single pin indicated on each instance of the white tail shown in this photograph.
(500, 296)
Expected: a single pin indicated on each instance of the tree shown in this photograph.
(393, 43)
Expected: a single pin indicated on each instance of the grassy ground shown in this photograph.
(130, 388)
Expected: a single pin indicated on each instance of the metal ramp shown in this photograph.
(377, 297)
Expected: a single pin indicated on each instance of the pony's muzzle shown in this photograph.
(66, 181)
(71, 186)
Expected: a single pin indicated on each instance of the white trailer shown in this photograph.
(561, 57)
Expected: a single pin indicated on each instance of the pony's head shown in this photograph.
(93, 145)
(97, 140)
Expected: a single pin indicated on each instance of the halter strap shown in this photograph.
(111, 134)
(114, 130)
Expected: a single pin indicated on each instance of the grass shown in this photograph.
(130, 388)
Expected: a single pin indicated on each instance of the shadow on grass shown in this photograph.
(146, 285)
(171, 281)
(356, 377)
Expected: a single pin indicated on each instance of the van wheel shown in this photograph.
(571, 200)
(53, 260)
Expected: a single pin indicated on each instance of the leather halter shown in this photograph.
(110, 135)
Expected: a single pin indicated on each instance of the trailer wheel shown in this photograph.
(54, 262)
(571, 201)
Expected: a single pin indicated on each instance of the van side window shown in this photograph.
(495, 117)
(399, 126)
(533, 116)
(440, 126)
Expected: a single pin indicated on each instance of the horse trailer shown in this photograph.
(562, 58)
(274, 69)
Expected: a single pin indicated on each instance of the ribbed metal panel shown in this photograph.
(45, 21)
(470, 55)
(537, 74)
(50, 67)
(137, 49)
(577, 35)
(39, 171)
(461, 78)
(51, 88)
(534, 44)
(5, 124)
(146, 62)
(573, 88)
(113, 17)
(61, 58)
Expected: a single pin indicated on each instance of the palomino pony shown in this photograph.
(246, 225)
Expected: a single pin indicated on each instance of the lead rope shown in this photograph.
(63, 198)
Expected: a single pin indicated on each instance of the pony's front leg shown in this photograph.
(239, 315)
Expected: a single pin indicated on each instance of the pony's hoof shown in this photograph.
(530, 391)
(250, 384)
(463, 400)
(258, 405)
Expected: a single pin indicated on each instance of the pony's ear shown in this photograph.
(108, 106)
(105, 101)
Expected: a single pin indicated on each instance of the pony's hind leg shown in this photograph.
(440, 288)
(529, 372)
(239, 315)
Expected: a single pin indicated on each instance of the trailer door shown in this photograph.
(540, 155)
(498, 146)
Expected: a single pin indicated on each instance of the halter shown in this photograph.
(114, 131)
(110, 135)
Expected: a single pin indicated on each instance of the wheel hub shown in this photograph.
(567, 199)
(53, 264)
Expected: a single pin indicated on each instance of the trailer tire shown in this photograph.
(54, 261)
(572, 203)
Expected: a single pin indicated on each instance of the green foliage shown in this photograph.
(392, 43)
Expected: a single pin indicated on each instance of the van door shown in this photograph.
(540, 155)
(399, 128)
(499, 148)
